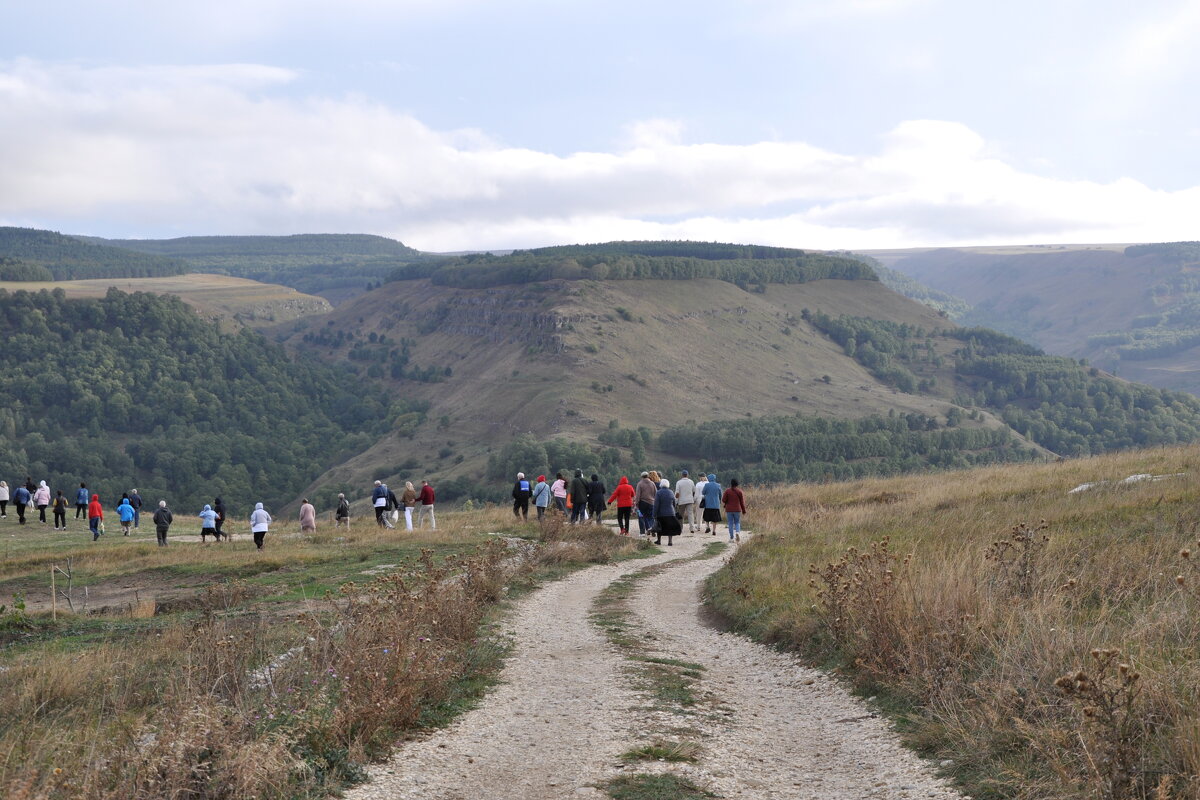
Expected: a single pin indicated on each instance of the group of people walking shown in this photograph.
(387, 505)
(661, 509)
(26, 497)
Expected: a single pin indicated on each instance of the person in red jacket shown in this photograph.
(735, 505)
(425, 498)
(95, 516)
(623, 495)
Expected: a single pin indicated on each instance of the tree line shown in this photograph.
(137, 390)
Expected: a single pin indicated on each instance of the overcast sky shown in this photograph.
(464, 124)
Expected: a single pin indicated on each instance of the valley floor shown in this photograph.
(618, 659)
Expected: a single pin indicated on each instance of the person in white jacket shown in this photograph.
(260, 520)
(41, 499)
(685, 501)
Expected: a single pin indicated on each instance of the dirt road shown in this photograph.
(572, 702)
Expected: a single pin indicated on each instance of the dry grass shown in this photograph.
(234, 700)
(949, 596)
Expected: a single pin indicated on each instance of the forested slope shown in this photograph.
(137, 390)
(69, 257)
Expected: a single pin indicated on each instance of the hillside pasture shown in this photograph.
(245, 301)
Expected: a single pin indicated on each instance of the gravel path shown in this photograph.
(781, 730)
(567, 708)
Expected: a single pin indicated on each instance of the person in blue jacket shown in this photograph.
(21, 498)
(208, 524)
(82, 497)
(712, 503)
(125, 513)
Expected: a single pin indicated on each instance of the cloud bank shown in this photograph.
(171, 151)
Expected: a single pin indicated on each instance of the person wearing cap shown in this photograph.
(685, 501)
(521, 493)
(645, 490)
(541, 496)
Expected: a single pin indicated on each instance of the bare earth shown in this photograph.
(568, 708)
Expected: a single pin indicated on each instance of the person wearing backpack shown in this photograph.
(521, 493)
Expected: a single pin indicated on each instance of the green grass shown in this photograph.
(655, 787)
(664, 751)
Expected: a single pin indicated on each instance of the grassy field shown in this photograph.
(249, 302)
(220, 671)
(1040, 643)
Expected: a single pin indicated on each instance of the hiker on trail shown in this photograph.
(21, 498)
(95, 517)
(521, 493)
(379, 499)
(664, 513)
(60, 512)
(41, 499)
(699, 495)
(3, 499)
(218, 507)
(735, 505)
(646, 492)
(135, 500)
(342, 517)
(409, 499)
(579, 497)
(81, 501)
(685, 500)
(393, 510)
(623, 495)
(712, 503)
(308, 517)
(596, 503)
(558, 490)
(260, 520)
(125, 513)
(425, 498)
(541, 496)
(208, 524)
(162, 521)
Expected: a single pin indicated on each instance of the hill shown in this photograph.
(138, 390)
(609, 375)
(239, 300)
(46, 255)
(334, 266)
(1132, 310)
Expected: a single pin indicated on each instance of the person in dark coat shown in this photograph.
(664, 512)
(578, 492)
(596, 498)
(342, 517)
(21, 497)
(219, 507)
(162, 522)
(521, 493)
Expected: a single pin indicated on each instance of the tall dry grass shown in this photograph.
(963, 598)
(239, 702)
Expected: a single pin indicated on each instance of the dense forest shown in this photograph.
(137, 390)
(311, 263)
(1056, 402)
(72, 258)
(744, 265)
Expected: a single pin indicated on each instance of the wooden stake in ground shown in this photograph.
(53, 595)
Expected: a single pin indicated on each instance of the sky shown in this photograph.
(464, 124)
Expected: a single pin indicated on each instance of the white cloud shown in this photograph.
(174, 151)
